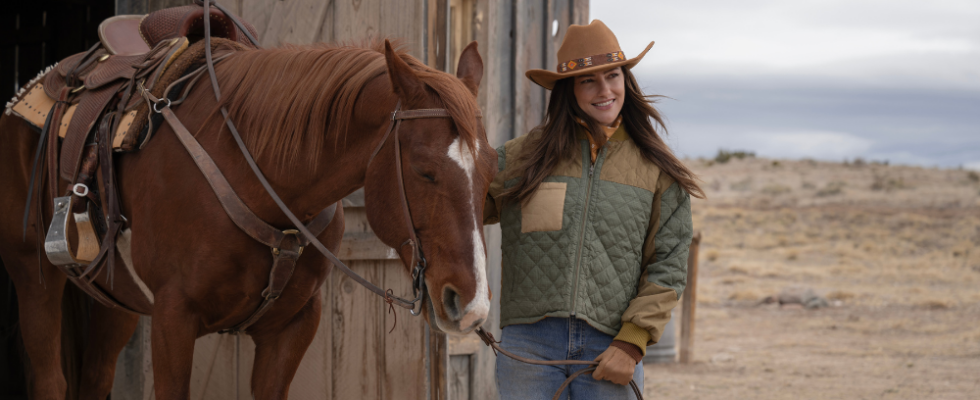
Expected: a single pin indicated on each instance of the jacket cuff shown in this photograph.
(628, 348)
(632, 334)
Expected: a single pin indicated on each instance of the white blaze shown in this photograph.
(479, 308)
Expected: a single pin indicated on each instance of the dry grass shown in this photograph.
(894, 249)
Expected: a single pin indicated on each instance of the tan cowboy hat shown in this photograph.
(585, 49)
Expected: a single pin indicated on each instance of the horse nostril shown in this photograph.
(450, 303)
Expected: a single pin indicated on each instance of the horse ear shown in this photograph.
(470, 68)
(407, 86)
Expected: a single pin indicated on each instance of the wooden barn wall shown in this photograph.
(513, 36)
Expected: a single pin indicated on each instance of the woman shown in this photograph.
(596, 222)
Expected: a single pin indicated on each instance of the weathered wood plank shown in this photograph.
(309, 383)
(218, 367)
(365, 246)
(357, 339)
(437, 34)
(690, 302)
(404, 20)
(357, 20)
(460, 345)
(295, 22)
(561, 13)
(326, 331)
(329, 21)
(438, 365)
(404, 346)
(529, 98)
(580, 12)
(355, 220)
(257, 13)
(460, 376)
(134, 376)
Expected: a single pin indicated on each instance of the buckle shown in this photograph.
(80, 190)
(294, 232)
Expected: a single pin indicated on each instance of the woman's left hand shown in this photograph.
(615, 366)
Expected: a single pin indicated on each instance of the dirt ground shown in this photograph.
(894, 250)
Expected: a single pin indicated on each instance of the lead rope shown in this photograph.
(488, 339)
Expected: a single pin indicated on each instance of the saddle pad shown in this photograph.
(136, 125)
(35, 105)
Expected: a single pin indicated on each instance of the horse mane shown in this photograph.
(287, 101)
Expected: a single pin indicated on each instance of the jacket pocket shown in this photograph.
(545, 209)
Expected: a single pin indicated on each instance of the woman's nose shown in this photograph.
(604, 87)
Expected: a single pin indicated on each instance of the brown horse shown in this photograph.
(311, 116)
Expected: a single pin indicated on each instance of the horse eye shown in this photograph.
(429, 177)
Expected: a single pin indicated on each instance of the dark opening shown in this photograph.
(34, 35)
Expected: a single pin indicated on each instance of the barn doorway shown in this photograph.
(34, 35)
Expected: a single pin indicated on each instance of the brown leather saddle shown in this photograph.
(129, 35)
(96, 102)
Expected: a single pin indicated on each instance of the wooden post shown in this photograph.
(690, 301)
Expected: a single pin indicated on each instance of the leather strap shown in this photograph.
(52, 150)
(86, 116)
(247, 221)
(286, 245)
(284, 258)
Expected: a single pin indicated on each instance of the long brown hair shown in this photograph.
(555, 141)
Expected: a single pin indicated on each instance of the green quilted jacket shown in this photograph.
(605, 242)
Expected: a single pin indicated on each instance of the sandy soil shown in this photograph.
(895, 250)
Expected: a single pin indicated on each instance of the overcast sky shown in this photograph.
(893, 80)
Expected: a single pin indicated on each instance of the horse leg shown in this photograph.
(172, 334)
(279, 352)
(39, 305)
(109, 331)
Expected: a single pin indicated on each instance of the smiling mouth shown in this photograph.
(603, 104)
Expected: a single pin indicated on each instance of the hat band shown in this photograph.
(591, 61)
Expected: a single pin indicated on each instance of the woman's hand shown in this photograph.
(615, 366)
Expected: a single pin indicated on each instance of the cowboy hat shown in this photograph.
(585, 49)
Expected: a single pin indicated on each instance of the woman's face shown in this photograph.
(600, 94)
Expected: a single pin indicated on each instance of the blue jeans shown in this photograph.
(556, 339)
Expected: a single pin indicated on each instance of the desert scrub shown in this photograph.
(742, 186)
(831, 189)
(724, 156)
(888, 184)
(776, 189)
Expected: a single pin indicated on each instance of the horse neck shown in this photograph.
(342, 165)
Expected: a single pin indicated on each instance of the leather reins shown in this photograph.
(418, 258)
(489, 340)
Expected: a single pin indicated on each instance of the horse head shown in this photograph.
(447, 166)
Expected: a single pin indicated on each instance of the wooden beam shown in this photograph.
(690, 302)
(438, 365)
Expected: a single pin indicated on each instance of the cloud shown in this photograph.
(890, 42)
(842, 118)
(828, 79)
(974, 165)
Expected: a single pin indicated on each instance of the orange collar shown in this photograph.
(609, 131)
